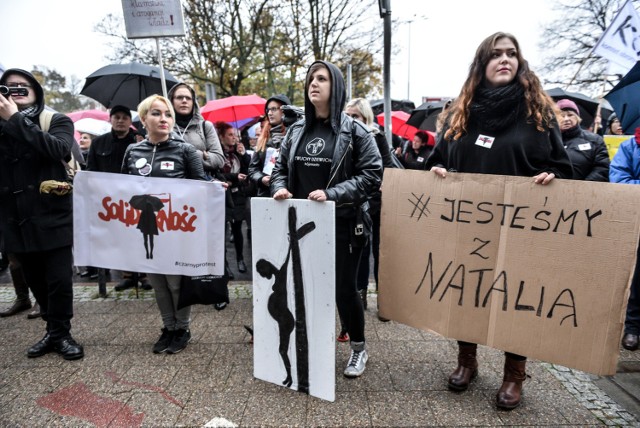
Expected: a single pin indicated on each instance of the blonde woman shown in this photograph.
(145, 158)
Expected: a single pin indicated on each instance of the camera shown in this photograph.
(292, 114)
(8, 91)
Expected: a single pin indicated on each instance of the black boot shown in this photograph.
(22, 302)
(17, 307)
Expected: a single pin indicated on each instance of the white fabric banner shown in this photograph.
(294, 314)
(145, 224)
(620, 42)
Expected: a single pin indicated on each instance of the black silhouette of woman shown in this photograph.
(148, 205)
(278, 308)
(277, 304)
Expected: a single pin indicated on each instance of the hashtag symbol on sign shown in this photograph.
(419, 208)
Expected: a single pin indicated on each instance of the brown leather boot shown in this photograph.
(467, 367)
(509, 394)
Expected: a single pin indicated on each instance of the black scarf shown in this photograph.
(571, 133)
(497, 108)
(182, 120)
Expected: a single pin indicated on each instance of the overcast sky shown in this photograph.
(435, 53)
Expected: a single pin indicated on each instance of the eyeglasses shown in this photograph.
(18, 85)
(183, 98)
(273, 109)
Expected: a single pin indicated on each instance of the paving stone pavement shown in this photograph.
(120, 382)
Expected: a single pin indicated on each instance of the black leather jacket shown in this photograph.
(170, 159)
(356, 167)
(352, 180)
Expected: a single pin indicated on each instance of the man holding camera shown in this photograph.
(36, 204)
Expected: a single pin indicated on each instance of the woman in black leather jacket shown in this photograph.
(150, 158)
(328, 156)
(273, 132)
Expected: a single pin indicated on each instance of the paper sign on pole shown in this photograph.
(620, 43)
(540, 271)
(146, 224)
(294, 294)
(153, 18)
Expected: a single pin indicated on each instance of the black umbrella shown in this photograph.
(426, 115)
(125, 84)
(625, 100)
(396, 105)
(587, 105)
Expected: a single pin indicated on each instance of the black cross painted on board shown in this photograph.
(420, 206)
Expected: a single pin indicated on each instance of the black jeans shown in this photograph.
(348, 301)
(50, 278)
(632, 320)
(238, 239)
(372, 245)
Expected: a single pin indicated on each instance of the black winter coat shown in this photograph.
(107, 151)
(588, 153)
(32, 221)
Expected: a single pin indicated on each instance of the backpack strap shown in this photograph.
(45, 120)
(73, 165)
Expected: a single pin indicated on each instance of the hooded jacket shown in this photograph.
(200, 133)
(356, 168)
(32, 221)
(276, 135)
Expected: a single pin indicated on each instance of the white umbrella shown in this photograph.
(92, 126)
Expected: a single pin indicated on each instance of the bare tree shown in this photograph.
(571, 38)
(262, 46)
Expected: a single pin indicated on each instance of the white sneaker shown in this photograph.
(357, 363)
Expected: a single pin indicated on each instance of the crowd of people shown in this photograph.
(502, 122)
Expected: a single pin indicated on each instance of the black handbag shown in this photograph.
(203, 290)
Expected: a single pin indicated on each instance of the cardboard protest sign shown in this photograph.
(294, 294)
(146, 224)
(540, 271)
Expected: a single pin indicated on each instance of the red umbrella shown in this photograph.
(234, 109)
(93, 114)
(401, 128)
